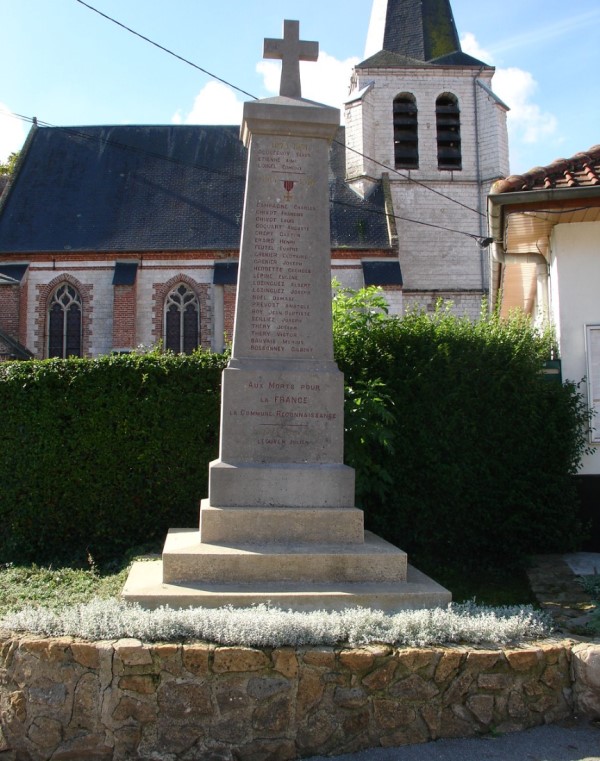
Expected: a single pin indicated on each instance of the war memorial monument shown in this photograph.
(279, 524)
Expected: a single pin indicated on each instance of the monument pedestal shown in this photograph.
(296, 558)
(296, 575)
(279, 524)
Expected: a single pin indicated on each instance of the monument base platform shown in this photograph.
(186, 558)
(145, 586)
(363, 586)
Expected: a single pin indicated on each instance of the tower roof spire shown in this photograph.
(412, 33)
(422, 30)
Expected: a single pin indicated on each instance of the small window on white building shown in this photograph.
(406, 132)
(64, 323)
(182, 320)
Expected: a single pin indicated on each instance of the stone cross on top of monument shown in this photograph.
(290, 51)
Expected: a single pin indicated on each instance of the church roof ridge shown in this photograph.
(387, 59)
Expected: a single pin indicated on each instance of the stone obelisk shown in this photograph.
(280, 524)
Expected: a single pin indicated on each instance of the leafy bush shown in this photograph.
(101, 455)
(469, 456)
(464, 454)
(267, 626)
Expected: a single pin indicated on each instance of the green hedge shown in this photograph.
(101, 455)
(464, 454)
(472, 455)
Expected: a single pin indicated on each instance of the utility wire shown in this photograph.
(480, 239)
(78, 134)
(409, 178)
(254, 97)
(166, 50)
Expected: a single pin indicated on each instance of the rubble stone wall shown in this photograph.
(69, 700)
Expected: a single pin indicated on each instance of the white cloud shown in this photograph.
(528, 123)
(471, 46)
(12, 132)
(215, 104)
(326, 81)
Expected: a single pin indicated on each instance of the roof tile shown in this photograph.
(581, 170)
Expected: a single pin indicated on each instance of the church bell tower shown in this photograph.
(426, 113)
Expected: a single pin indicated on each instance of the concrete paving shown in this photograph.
(573, 741)
(583, 563)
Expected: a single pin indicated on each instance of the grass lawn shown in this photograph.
(63, 585)
(56, 586)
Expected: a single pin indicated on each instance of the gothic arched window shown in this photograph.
(182, 320)
(447, 117)
(406, 132)
(64, 322)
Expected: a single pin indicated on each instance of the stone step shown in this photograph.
(145, 586)
(280, 524)
(185, 558)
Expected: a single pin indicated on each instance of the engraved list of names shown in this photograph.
(285, 287)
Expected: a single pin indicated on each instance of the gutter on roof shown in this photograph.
(497, 201)
(492, 94)
(389, 209)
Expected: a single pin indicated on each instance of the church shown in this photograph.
(116, 237)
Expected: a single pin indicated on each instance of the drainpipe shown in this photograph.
(479, 183)
(539, 258)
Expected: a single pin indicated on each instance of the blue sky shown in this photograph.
(66, 65)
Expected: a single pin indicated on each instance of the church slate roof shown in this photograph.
(421, 29)
(151, 188)
(420, 32)
(581, 170)
(355, 223)
(12, 349)
(385, 59)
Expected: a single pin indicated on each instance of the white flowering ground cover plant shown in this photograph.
(269, 626)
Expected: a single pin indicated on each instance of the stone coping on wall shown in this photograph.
(64, 699)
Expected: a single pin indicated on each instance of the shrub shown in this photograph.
(464, 455)
(102, 455)
(472, 462)
(269, 626)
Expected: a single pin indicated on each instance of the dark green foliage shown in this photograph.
(472, 464)
(101, 455)
(464, 455)
(8, 167)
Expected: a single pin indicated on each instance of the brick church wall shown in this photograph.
(229, 294)
(124, 311)
(10, 309)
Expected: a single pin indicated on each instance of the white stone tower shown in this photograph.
(426, 113)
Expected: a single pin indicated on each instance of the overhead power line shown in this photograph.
(166, 50)
(254, 97)
(79, 134)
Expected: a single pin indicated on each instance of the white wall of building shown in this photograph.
(575, 294)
